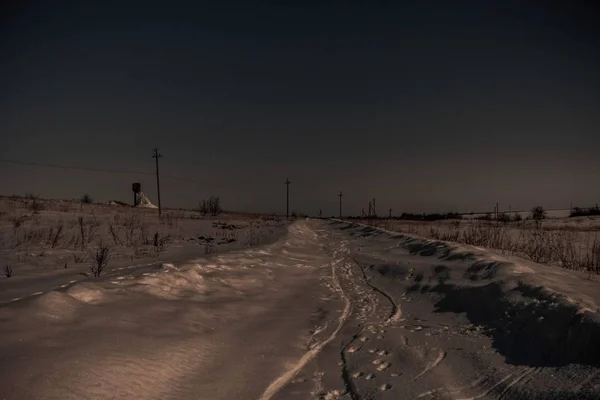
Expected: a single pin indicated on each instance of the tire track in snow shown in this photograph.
(286, 377)
(584, 382)
(471, 385)
(479, 396)
(396, 312)
(432, 365)
(348, 382)
(518, 379)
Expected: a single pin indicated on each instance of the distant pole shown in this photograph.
(340, 196)
(390, 210)
(370, 208)
(374, 212)
(157, 156)
(287, 208)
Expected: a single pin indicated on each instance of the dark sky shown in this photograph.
(428, 105)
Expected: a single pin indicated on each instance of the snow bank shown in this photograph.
(549, 312)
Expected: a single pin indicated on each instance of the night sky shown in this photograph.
(427, 106)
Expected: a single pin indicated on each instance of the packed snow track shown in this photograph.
(332, 310)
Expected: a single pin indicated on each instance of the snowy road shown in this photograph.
(329, 311)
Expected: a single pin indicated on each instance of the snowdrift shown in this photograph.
(144, 201)
(535, 313)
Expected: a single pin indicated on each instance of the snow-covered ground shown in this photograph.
(331, 310)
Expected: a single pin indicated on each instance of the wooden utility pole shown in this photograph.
(287, 207)
(340, 196)
(157, 156)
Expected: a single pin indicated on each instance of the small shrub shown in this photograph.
(538, 213)
(211, 206)
(517, 217)
(8, 271)
(86, 199)
(100, 260)
(37, 206)
(160, 242)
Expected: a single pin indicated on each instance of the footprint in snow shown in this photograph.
(385, 386)
(370, 376)
(357, 374)
(383, 366)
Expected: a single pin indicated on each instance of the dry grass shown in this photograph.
(565, 243)
(62, 232)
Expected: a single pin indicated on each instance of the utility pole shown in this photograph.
(340, 196)
(374, 212)
(390, 210)
(157, 156)
(287, 208)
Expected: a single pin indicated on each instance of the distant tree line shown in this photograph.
(211, 206)
(584, 212)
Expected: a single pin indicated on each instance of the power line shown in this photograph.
(117, 171)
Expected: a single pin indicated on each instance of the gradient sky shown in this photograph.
(427, 106)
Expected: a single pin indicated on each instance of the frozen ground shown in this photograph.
(329, 311)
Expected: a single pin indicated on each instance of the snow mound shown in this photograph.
(87, 292)
(171, 284)
(55, 306)
(144, 201)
